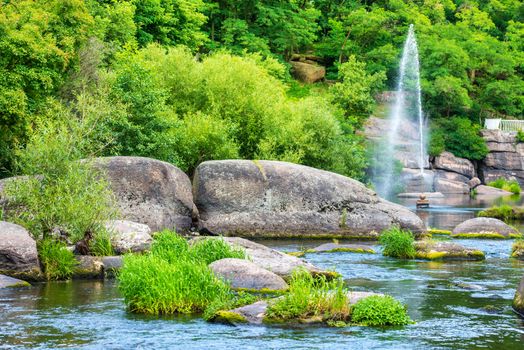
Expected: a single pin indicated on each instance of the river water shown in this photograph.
(459, 305)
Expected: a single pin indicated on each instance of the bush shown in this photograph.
(58, 261)
(175, 278)
(504, 212)
(311, 297)
(520, 136)
(397, 243)
(377, 310)
(460, 137)
(100, 244)
(506, 185)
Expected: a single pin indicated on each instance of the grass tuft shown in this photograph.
(397, 243)
(380, 310)
(100, 245)
(506, 185)
(58, 262)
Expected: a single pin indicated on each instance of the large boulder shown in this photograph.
(518, 300)
(504, 160)
(270, 259)
(451, 186)
(436, 250)
(491, 174)
(278, 199)
(150, 192)
(18, 254)
(243, 274)
(451, 175)
(307, 71)
(127, 236)
(88, 267)
(498, 136)
(447, 161)
(484, 227)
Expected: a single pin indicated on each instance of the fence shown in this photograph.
(504, 125)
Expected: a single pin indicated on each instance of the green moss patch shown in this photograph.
(485, 235)
(436, 231)
(229, 317)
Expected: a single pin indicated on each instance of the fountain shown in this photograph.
(405, 142)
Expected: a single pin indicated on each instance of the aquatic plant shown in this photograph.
(213, 249)
(506, 185)
(503, 212)
(380, 310)
(397, 243)
(58, 261)
(311, 298)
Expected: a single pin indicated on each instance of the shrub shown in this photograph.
(57, 260)
(460, 137)
(506, 185)
(378, 310)
(504, 212)
(520, 136)
(397, 243)
(311, 297)
(169, 246)
(100, 244)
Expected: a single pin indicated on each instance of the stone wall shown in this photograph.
(505, 158)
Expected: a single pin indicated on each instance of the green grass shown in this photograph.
(517, 250)
(311, 298)
(506, 185)
(503, 212)
(378, 310)
(436, 231)
(397, 243)
(58, 262)
(100, 245)
(175, 278)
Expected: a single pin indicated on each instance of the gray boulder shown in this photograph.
(112, 264)
(437, 250)
(451, 175)
(243, 274)
(18, 254)
(278, 199)
(518, 300)
(10, 282)
(485, 227)
(270, 259)
(127, 236)
(491, 174)
(307, 71)
(447, 161)
(504, 160)
(150, 192)
(450, 186)
(498, 136)
(474, 183)
(88, 267)
(483, 190)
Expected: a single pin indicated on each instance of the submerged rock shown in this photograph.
(243, 274)
(270, 259)
(150, 192)
(18, 254)
(436, 250)
(10, 282)
(335, 247)
(518, 300)
(127, 236)
(484, 228)
(278, 199)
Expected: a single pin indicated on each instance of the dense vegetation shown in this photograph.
(186, 81)
(397, 243)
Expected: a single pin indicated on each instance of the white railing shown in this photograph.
(504, 125)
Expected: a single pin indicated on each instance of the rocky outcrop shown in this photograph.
(278, 199)
(243, 274)
(10, 282)
(271, 259)
(484, 228)
(18, 254)
(451, 186)
(483, 190)
(436, 250)
(518, 300)
(447, 161)
(127, 236)
(505, 158)
(307, 71)
(150, 192)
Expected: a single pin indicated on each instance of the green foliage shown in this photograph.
(58, 261)
(460, 137)
(237, 300)
(310, 298)
(100, 244)
(175, 278)
(397, 243)
(503, 212)
(520, 136)
(506, 185)
(377, 310)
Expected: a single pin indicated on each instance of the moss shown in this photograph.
(432, 255)
(343, 218)
(435, 255)
(297, 254)
(335, 250)
(518, 303)
(229, 317)
(436, 231)
(487, 235)
(19, 284)
(260, 168)
(517, 250)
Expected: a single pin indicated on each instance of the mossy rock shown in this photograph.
(437, 250)
(485, 228)
(518, 300)
(341, 248)
(517, 250)
(10, 282)
(229, 317)
(486, 235)
(436, 231)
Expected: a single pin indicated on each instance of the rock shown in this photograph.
(447, 161)
(243, 274)
(474, 183)
(128, 236)
(270, 259)
(417, 195)
(335, 247)
(112, 264)
(150, 192)
(501, 147)
(414, 181)
(504, 160)
(10, 282)
(255, 313)
(499, 136)
(437, 250)
(278, 199)
(517, 250)
(18, 254)
(308, 72)
(483, 190)
(450, 175)
(518, 300)
(450, 186)
(484, 227)
(89, 267)
(494, 174)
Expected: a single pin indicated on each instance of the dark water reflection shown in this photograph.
(462, 305)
